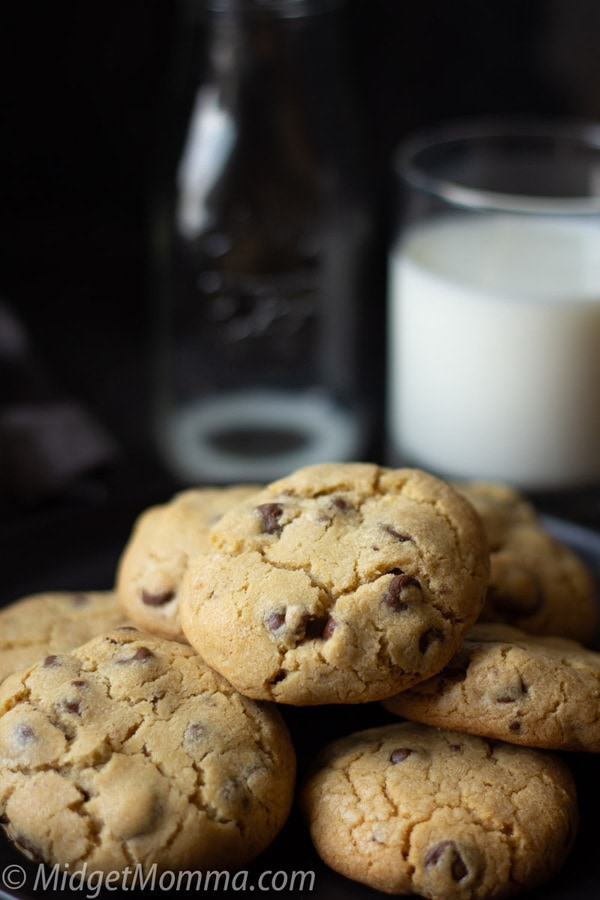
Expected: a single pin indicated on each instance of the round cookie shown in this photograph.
(129, 752)
(53, 622)
(163, 538)
(341, 583)
(537, 583)
(538, 691)
(408, 809)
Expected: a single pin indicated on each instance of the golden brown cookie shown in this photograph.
(408, 809)
(538, 691)
(339, 584)
(129, 751)
(157, 553)
(537, 583)
(53, 622)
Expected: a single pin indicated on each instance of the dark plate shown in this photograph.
(80, 552)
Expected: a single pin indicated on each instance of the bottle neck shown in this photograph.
(275, 46)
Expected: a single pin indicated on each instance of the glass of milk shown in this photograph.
(494, 304)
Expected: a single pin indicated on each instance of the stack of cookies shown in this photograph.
(164, 734)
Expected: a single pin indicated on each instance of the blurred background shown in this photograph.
(79, 102)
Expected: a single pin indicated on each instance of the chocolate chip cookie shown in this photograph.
(130, 751)
(341, 583)
(53, 622)
(156, 556)
(537, 583)
(408, 809)
(538, 691)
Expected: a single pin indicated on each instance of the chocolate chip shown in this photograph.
(159, 599)
(400, 754)
(512, 692)
(330, 627)
(457, 867)
(429, 637)
(195, 731)
(79, 682)
(434, 854)
(24, 734)
(515, 725)
(235, 792)
(398, 535)
(50, 661)
(395, 596)
(141, 653)
(341, 504)
(72, 706)
(269, 514)
(275, 621)
(315, 626)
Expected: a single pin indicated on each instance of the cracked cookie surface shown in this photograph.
(537, 583)
(130, 750)
(53, 622)
(538, 691)
(156, 555)
(342, 583)
(408, 809)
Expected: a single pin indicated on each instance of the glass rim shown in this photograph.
(584, 133)
(285, 9)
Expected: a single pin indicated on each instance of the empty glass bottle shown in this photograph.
(263, 240)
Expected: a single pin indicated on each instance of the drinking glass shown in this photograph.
(494, 303)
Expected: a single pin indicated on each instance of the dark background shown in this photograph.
(79, 125)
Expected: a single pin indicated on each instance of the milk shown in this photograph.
(494, 349)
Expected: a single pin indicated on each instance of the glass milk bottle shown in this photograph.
(262, 241)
